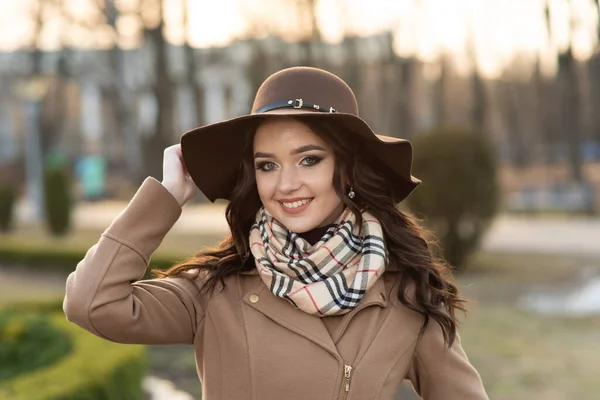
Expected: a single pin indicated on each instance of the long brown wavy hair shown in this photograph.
(409, 246)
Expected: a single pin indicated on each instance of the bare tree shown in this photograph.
(192, 68)
(479, 101)
(150, 14)
(510, 95)
(398, 76)
(353, 72)
(45, 121)
(594, 75)
(567, 81)
(307, 14)
(122, 100)
(440, 91)
(258, 69)
(545, 115)
(162, 88)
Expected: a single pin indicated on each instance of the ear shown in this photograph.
(346, 179)
(346, 184)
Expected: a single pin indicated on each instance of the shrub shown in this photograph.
(58, 200)
(60, 258)
(459, 195)
(29, 255)
(29, 341)
(7, 205)
(95, 369)
(40, 306)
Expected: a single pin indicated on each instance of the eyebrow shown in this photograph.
(299, 150)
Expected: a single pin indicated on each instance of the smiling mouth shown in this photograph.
(295, 204)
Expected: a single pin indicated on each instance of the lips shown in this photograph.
(295, 206)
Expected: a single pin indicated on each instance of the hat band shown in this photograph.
(297, 103)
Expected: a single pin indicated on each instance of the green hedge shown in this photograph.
(8, 198)
(58, 200)
(42, 306)
(95, 369)
(58, 259)
(29, 341)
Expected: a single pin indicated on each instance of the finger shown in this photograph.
(185, 170)
(177, 149)
(172, 148)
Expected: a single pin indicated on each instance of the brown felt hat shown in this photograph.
(213, 153)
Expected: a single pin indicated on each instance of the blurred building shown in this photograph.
(79, 96)
(107, 98)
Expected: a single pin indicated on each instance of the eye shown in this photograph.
(265, 166)
(311, 160)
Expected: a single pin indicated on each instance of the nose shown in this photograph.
(289, 180)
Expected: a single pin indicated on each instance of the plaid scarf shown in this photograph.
(327, 278)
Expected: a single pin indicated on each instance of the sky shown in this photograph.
(498, 32)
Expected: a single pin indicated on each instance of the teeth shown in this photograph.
(296, 204)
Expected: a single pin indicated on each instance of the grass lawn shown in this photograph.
(525, 356)
(520, 355)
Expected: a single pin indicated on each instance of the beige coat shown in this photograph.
(250, 344)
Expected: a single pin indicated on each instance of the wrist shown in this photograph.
(174, 192)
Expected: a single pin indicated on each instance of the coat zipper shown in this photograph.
(346, 382)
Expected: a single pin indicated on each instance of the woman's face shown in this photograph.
(294, 175)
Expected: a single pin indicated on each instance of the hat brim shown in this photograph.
(213, 153)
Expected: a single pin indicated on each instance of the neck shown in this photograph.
(314, 235)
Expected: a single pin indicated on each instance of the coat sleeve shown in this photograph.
(105, 295)
(441, 373)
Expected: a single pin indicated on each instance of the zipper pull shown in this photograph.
(347, 376)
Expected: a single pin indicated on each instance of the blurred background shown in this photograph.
(500, 99)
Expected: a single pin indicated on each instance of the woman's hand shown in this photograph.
(175, 175)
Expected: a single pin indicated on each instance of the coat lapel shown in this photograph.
(306, 325)
(376, 296)
(282, 312)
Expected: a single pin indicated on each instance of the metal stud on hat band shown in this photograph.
(296, 103)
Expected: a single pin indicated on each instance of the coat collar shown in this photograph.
(260, 298)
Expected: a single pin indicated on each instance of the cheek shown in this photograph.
(265, 186)
(322, 181)
(325, 189)
(332, 197)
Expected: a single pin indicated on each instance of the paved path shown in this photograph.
(545, 235)
(577, 236)
(508, 233)
(209, 218)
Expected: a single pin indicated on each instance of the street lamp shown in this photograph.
(32, 91)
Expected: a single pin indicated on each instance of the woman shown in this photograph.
(324, 290)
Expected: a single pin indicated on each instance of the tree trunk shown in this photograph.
(509, 103)
(479, 101)
(163, 136)
(307, 13)
(257, 71)
(353, 75)
(192, 69)
(122, 102)
(440, 94)
(196, 89)
(594, 77)
(570, 116)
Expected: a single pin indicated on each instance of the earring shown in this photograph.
(351, 193)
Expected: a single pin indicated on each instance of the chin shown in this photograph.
(297, 226)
